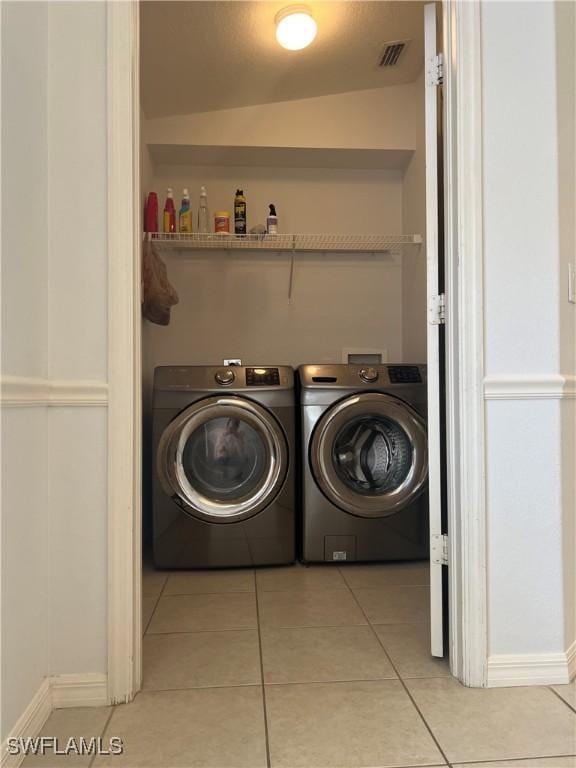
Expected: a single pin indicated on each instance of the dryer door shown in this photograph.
(369, 454)
(223, 459)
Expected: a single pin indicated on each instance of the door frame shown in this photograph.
(124, 353)
(464, 339)
(464, 287)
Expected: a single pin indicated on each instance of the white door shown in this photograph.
(435, 335)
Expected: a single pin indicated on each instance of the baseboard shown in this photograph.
(85, 690)
(531, 669)
(29, 723)
(57, 692)
(571, 658)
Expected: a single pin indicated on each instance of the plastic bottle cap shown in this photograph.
(202, 191)
(169, 191)
(185, 192)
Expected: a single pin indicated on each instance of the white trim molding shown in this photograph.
(35, 392)
(531, 669)
(57, 692)
(552, 386)
(80, 690)
(124, 365)
(571, 658)
(29, 724)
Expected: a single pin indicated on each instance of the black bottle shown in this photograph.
(240, 213)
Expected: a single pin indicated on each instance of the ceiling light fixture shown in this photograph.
(295, 27)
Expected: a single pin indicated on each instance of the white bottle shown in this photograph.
(203, 215)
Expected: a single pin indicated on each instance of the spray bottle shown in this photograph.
(185, 216)
(272, 221)
(169, 219)
(203, 215)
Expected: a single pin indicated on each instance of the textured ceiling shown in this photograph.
(201, 56)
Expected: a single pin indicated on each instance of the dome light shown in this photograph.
(295, 27)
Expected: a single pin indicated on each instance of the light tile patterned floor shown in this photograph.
(312, 667)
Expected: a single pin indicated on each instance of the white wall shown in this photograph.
(381, 118)
(78, 327)
(25, 518)
(54, 570)
(77, 191)
(525, 295)
(25, 179)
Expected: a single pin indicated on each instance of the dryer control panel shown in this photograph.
(262, 377)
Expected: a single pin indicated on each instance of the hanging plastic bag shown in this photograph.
(158, 296)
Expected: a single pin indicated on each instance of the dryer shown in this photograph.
(224, 474)
(364, 462)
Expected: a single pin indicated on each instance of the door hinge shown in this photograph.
(437, 310)
(439, 549)
(435, 70)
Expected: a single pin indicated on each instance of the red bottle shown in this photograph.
(169, 212)
(151, 213)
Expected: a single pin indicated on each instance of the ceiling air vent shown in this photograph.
(392, 52)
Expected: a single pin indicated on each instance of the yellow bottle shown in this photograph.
(185, 214)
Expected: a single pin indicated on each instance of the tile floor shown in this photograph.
(312, 667)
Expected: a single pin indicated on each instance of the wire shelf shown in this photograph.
(327, 243)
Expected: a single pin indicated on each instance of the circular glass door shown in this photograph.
(369, 455)
(223, 459)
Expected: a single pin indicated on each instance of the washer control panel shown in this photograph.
(404, 374)
(262, 377)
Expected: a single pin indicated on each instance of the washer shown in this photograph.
(224, 476)
(364, 462)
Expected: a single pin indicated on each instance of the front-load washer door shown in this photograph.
(223, 459)
(369, 454)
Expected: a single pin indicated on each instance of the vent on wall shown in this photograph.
(391, 53)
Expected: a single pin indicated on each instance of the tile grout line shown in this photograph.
(160, 594)
(570, 707)
(102, 733)
(400, 679)
(219, 686)
(280, 685)
(500, 760)
(289, 626)
(262, 682)
(174, 632)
